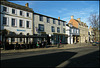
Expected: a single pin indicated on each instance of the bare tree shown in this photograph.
(94, 22)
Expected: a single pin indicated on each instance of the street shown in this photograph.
(75, 57)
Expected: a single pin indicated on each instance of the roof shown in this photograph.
(81, 23)
(10, 4)
(49, 16)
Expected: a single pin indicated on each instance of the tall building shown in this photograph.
(16, 19)
(82, 27)
(52, 27)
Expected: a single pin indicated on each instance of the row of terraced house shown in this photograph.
(23, 20)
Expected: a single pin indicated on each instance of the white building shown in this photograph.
(73, 34)
(16, 18)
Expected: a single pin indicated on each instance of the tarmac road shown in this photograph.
(76, 57)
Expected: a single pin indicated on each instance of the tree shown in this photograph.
(94, 22)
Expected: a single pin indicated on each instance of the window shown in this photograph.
(58, 22)
(13, 22)
(13, 11)
(5, 9)
(41, 18)
(71, 30)
(48, 20)
(21, 23)
(63, 23)
(63, 30)
(41, 27)
(53, 29)
(21, 13)
(77, 31)
(27, 25)
(27, 14)
(58, 29)
(20, 38)
(53, 21)
(4, 20)
(13, 39)
(88, 33)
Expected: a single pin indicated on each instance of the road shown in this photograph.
(76, 57)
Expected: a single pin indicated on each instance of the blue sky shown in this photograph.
(64, 9)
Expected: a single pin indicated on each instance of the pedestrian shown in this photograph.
(42, 44)
(38, 44)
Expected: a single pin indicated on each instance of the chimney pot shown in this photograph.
(26, 5)
(58, 17)
(78, 19)
(72, 17)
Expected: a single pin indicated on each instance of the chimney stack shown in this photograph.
(26, 5)
(58, 17)
(78, 19)
(72, 17)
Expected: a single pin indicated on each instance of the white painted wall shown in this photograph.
(17, 16)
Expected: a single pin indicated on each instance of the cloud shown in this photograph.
(62, 10)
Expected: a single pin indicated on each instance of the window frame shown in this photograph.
(53, 21)
(14, 11)
(40, 27)
(52, 28)
(3, 9)
(14, 22)
(58, 22)
(64, 30)
(28, 24)
(4, 21)
(28, 14)
(40, 18)
(48, 20)
(20, 24)
(63, 23)
(58, 30)
(20, 13)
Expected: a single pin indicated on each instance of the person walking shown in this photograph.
(38, 44)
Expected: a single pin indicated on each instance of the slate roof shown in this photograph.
(49, 17)
(10, 4)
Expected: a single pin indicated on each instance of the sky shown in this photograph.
(64, 9)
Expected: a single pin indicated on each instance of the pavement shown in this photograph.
(50, 47)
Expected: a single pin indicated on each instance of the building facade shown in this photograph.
(52, 27)
(91, 34)
(16, 19)
(73, 34)
(82, 27)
